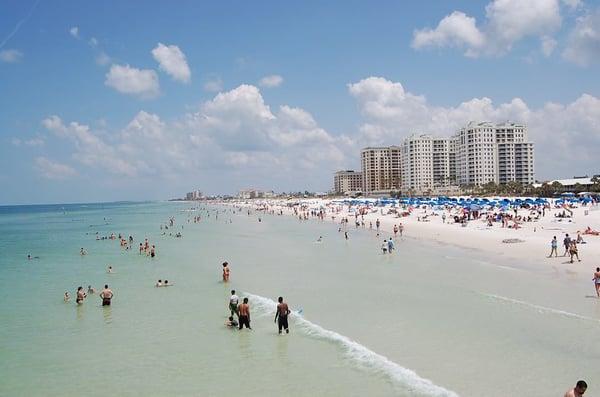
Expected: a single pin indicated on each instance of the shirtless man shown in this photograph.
(244, 314)
(233, 303)
(106, 295)
(225, 272)
(597, 281)
(578, 390)
(282, 315)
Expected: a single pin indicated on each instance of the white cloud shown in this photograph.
(74, 31)
(233, 135)
(11, 56)
(454, 30)
(93, 42)
(583, 46)
(213, 85)
(172, 61)
(271, 81)
(142, 83)
(53, 170)
(561, 132)
(507, 22)
(16, 141)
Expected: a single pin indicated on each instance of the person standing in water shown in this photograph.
(225, 272)
(106, 295)
(578, 390)
(233, 303)
(244, 314)
(281, 316)
(80, 296)
(597, 281)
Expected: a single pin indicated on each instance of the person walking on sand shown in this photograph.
(106, 295)
(281, 316)
(554, 245)
(573, 251)
(578, 390)
(567, 244)
(233, 303)
(384, 246)
(401, 229)
(597, 281)
(377, 224)
(244, 314)
(225, 272)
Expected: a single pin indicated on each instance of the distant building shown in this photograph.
(195, 195)
(569, 184)
(380, 167)
(498, 153)
(255, 193)
(427, 163)
(347, 181)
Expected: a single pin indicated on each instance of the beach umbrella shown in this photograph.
(475, 207)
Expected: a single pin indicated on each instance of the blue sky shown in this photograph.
(147, 100)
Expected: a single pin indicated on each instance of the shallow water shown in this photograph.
(429, 320)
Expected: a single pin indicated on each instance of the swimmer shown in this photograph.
(83, 252)
(67, 297)
(320, 239)
(110, 269)
(578, 390)
(231, 322)
(597, 281)
(106, 295)
(159, 283)
(91, 290)
(244, 314)
(153, 252)
(80, 296)
(166, 284)
(225, 272)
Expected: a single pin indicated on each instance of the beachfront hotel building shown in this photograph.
(498, 153)
(427, 163)
(347, 181)
(380, 168)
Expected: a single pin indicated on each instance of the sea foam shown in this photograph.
(366, 359)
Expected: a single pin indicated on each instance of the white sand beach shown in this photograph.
(534, 237)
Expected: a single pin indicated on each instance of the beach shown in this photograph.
(438, 317)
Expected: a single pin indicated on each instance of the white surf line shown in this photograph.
(541, 309)
(363, 356)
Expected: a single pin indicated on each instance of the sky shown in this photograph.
(147, 100)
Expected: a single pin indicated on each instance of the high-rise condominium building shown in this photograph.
(347, 181)
(380, 168)
(499, 153)
(427, 162)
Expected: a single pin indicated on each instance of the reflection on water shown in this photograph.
(107, 314)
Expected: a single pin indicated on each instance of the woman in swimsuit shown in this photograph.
(80, 296)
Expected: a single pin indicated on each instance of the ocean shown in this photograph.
(427, 320)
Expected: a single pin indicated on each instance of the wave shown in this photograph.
(364, 357)
(541, 309)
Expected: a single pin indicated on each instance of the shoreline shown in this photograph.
(534, 237)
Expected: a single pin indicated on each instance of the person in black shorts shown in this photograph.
(281, 316)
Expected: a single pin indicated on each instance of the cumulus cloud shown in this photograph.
(561, 132)
(172, 61)
(506, 22)
(142, 83)
(11, 56)
(28, 142)
(271, 81)
(583, 45)
(548, 45)
(53, 170)
(74, 31)
(235, 133)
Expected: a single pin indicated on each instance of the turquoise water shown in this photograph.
(429, 320)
